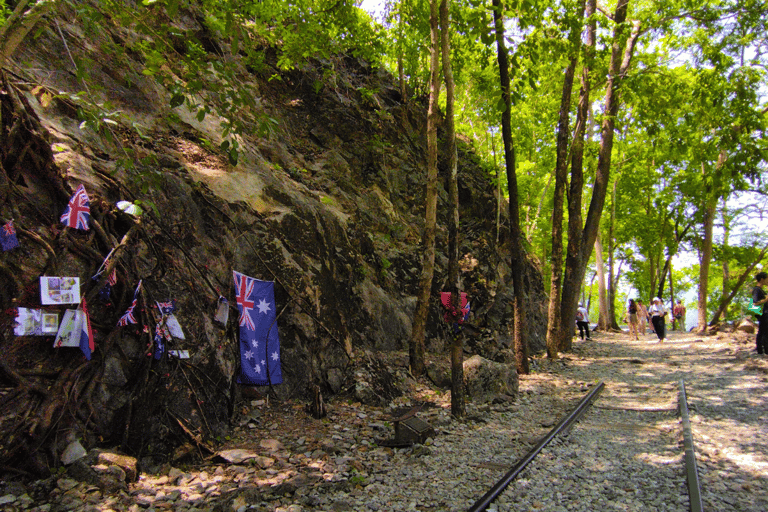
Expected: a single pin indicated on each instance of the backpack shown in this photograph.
(579, 315)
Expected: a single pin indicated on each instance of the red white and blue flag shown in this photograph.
(104, 293)
(259, 340)
(8, 238)
(167, 307)
(86, 333)
(159, 341)
(78, 212)
(129, 317)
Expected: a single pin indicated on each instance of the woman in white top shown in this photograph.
(658, 312)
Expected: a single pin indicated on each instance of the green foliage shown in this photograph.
(4, 12)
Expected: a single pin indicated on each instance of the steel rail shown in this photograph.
(502, 484)
(694, 489)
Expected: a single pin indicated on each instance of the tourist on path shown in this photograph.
(582, 320)
(759, 298)
(678, 312)
(632, 318)
(658, 312)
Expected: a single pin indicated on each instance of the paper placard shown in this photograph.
(59, 290)
(29, 322)
(69, 330)
(174, 327)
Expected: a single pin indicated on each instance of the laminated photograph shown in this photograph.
(50, 323)
(29, 322)
(59, 290)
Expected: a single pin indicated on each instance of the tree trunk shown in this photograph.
(612, 281)
(561, 181)
(571, 285)
(416, 351)
(454, 285)
(704, 262)
(580, 246)
(400, 66)
(672, 298)
(726, 268)
(516, 240)
(602, 319)
(19, 24)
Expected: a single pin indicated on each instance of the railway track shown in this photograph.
(634, 440)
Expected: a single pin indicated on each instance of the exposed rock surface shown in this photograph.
(329, 205)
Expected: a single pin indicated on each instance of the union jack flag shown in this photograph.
(128, 317)
(8, 238)
(78, 212)
(244, 289)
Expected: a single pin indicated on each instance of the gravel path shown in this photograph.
(625, 454)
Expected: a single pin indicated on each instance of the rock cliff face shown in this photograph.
(328, 203)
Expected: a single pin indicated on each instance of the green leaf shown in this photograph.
(177, 100)
(232, 154)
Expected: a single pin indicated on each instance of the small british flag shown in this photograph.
(129, 316)
(78, 212)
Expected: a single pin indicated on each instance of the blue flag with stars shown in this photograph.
(259, 342)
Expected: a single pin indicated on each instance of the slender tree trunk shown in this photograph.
(704, 263)
(454, 286)
(561, 181)
(428, 261)
(576, 262)
(571, 283)
(611, 266)
(726, 267)
(400, 66)
(516, 240)
(602, 319)
(672, 298)
(19, 24)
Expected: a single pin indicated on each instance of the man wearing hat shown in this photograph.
(658, 312)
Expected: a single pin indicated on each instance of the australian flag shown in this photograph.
(159, 342)
(259, 342)
(86, 334)
(129, 315)
(167, 307)
(78, 212)
(8, 238)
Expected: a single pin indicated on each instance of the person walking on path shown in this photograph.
(658, 312)
(642, 316)
(759, 298)
(632, 318)
(678, 312)
(582, 320)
